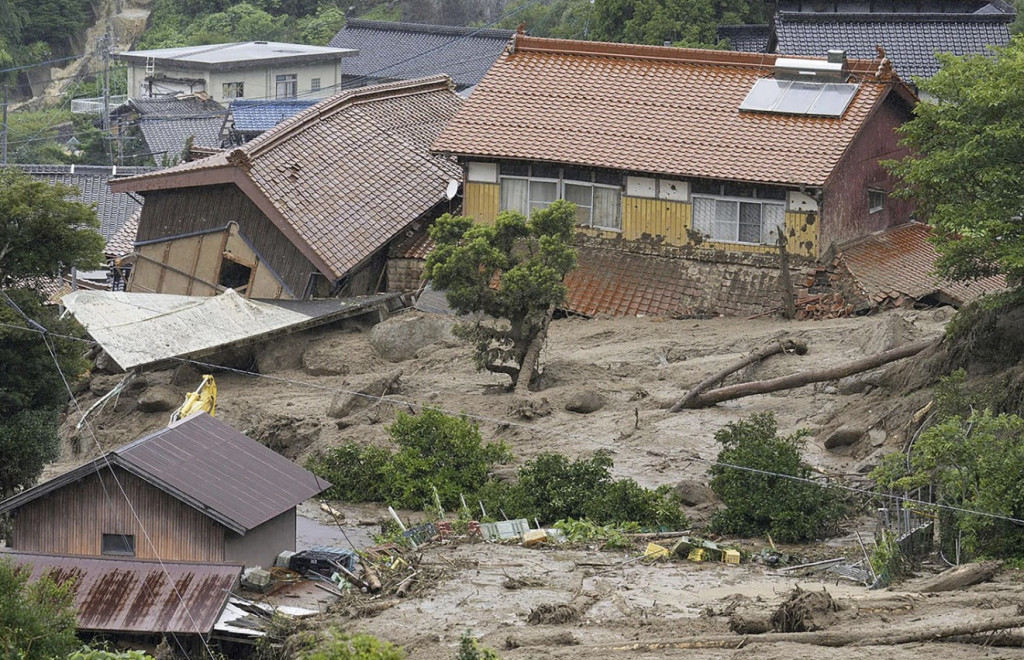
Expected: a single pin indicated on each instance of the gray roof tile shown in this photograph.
(398, 51)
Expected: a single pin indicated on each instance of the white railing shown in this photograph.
(95, 105)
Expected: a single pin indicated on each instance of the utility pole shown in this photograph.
(3, 135)
(105, 45)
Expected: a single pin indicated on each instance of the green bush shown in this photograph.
(434, 451)
(37, 619)
(470, 648)
(758, 502)
(355, 647)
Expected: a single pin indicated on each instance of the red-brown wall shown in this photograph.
(845, 200)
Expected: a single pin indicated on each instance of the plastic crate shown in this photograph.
(505, 530)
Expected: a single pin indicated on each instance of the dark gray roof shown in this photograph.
(166, 138)
(175, 106)
(896, 6)
(910, 40)
(399, 51)
(210, 466)
(113, 209)
(746, 38)
(254, 117)
(136, 595)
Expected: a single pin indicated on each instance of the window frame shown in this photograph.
(880, 206)
(314, 84)
(238, 89)
(128, 543)
(291, 83)
(561, 182)
(738, 201)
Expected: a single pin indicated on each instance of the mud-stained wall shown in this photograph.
(846, 195)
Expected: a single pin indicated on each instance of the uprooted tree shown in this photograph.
(513, 272)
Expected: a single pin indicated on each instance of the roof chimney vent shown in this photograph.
(837, 56)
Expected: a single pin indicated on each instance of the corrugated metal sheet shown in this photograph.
(131, 596)
(142, 328)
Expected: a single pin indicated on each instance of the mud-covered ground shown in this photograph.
(301, 402)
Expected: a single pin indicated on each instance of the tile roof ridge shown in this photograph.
(668, 54)
(428, 28)
(903, 17)
(359, 95)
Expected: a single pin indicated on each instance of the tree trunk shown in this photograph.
(797, 346)
(785, 279)
(821, 638)
(532, 355)
(806, 377)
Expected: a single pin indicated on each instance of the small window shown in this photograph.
(234, 275)
(287, 86)
(314, 85)
(119, 545)
(233, 90)
(876, 200)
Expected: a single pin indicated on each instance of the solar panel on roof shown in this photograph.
(791, 97)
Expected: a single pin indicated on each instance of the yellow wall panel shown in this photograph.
(481, 201)
(655, 217)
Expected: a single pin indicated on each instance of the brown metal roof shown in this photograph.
(343, 177)
(901, 262)
(210, 466)
(136, 596)
(652, 109)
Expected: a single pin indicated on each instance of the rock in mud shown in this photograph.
(345, 403)
(694, 492)
(844, 436)
(585, 402)
(400, 337)
(160, 398)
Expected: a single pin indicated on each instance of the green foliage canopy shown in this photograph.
(965, 174)
(37, 620)
(512, 269)
(760, 502)
(41, 231)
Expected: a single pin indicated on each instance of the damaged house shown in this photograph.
(196, 491)
(308, 208)
(685, 164)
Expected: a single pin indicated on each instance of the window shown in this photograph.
(121, 545)
(287, 86)
(233, 90)
(738, 220)
(314, 85)
(876, 200)
(234, 275)
(526, 189)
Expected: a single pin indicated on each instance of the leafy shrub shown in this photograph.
(580, 532)
(435, 451)
(759, 502)
(355, 647)
(37, 619)
(551, 487)
(470, 648)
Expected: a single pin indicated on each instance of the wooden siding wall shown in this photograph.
(73, 519)
(647, 219)
(481, 201)
(189, 210)
(191, 266)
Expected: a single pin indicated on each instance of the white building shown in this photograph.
(252, 70)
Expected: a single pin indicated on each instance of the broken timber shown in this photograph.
(797, 346)
(712, 397)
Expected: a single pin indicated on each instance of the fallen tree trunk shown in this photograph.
(806, 377)
(797, 346)
(960, 577)
(820, 638)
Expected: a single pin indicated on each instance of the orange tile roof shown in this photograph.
(342, 177)
(671, 111)
(901, 262)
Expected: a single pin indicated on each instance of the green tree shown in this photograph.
(42, 233)
(771, 495)
(512, 270)
(964, 173)
(355, 647)
(37, 620)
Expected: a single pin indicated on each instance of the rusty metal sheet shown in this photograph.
(137, 596)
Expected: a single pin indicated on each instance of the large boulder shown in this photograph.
(584, 402)
(345, 403)
(400, 337)
(844, 436)
(160, 398)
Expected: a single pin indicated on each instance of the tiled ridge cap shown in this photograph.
(357, 96)
(527, 44)
(809, 17)
(426, 28)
